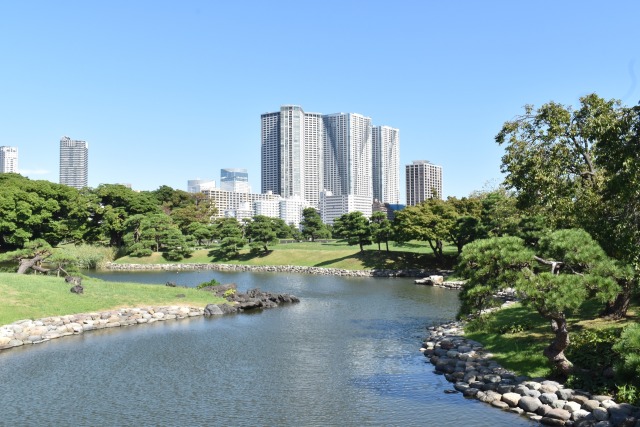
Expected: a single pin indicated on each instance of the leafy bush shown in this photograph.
(229, 292)
(591, 352)
(212, 282)
(628, 364)
(86, 257)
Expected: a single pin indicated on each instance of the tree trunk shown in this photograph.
(618, 308)
(555, 351)
(31, 263)
(386, 242)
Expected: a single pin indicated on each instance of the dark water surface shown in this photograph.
(346, 355)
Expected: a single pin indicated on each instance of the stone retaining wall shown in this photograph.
(37, 331)
(273, 269)
(475, 375)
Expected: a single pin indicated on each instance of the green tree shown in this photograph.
(430, 221)
(32, 210)
(381, 229)
(549, 156)
(200, 232)
(353, 227)
(312, 226)
(619, 232)
(114, 204)
(567, 268)
(576, 169)
(261, 233)
(230, 233)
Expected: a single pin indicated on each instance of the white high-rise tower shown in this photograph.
(74, 162)
(8, 159)
(386, 164)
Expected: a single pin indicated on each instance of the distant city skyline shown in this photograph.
(162, 100)
(305, 154)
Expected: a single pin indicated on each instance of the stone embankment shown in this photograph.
(37, 331)
(475, 375)
(25, 332)
(273, 269)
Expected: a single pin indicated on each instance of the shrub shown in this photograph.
(593, 358)
(212, 282)
(86, 257)
(228, 293)
(628, 364)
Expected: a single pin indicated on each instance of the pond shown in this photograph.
(346, 355)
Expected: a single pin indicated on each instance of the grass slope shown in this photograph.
(517, 335)
(36, 296)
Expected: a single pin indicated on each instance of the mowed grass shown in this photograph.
(320, 254)
(29, 296)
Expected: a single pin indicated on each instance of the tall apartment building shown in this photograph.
(348, 155)
(304, 154)
(8, 159)
(74, 162)
(237, 180)
(424, 181)
(291, 153)
(386, 164)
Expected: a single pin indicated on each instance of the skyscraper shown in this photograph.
(386, 164)
(306, 153)
(8, 159)
(74, 162)
(291, 151)
(236, 180)
(424, 181)
(348, 150)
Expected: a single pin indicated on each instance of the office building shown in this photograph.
(236, 180)
(424, 181)
(74, 162)
(334, 206)
(200, 185)
(386, 164)
(8, 159)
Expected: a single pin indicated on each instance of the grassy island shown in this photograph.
(29, 296)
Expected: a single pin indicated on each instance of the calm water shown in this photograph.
(347, 355)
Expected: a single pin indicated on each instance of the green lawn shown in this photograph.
(28, 296)
(517, 335)
(316, 254)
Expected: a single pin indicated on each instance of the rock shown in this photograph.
(564, 393)
(511, 399)
(529, 404)
(590, 405)
(77, 289)
(76, 280)
(551, 421)
(558, 414)
(600, 414)
(571, 406)
(579, 414)
(548, 398)
(499, 404)
(213, 310)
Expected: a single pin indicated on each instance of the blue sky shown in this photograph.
(166, 91)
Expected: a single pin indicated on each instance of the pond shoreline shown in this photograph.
(475, 375)
(409, 272)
